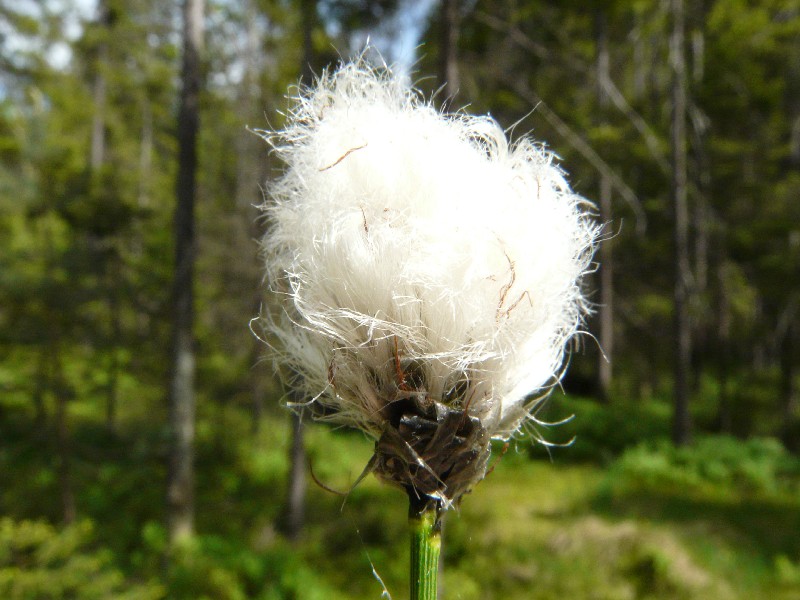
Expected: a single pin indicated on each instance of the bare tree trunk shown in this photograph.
(52, 373)
(603, 64)
(702, 334)
(40, 386)
(308, 9)
(145, 154)
(296, 493)
(724, 414)
(64, 460)
(63, 446)
(641, 65)
(788, 392)
(257, 406)
(605, 311)
(97, 157)
(115, 338)
(98, 143)
(295, 512)
(247, 157)
(701, 213)
(702, 220)
(681, 429)
(788, 352)
(249, 166)
(448, 58)
(180, 484)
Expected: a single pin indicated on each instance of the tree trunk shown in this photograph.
(788, 393)
(296, 493)
(701, 213)
(605, 311)
(448, 58)
(702, 219)
(257, 405)
(724, 322)
(249, 177)
(308, 10)
(145, 155)
(641, 63)
(97, 157)
(115, 317)
(40, 387)
(98, 142)
(180, 484)
(295, 511)
(247, 145)
(681, 429)
(63, 446)
(788, 351)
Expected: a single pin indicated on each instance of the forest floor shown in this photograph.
(538, 526)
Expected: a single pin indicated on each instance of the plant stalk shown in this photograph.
(424, 520)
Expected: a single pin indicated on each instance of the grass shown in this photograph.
(535, 528)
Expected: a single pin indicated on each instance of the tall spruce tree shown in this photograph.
(180, 485)
(681, 428)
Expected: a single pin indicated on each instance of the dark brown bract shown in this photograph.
(436, 453)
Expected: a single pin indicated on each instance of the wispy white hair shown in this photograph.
(418, 255)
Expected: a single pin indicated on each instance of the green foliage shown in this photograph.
(39, 561)
(716, 465)
(788, 572)
(597, 432)
(216, 568)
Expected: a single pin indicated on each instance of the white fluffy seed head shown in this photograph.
(418, 255)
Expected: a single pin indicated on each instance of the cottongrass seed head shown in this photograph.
(426, 275)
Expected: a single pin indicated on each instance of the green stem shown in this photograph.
(426, 543)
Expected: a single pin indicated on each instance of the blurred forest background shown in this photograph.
(143, 449)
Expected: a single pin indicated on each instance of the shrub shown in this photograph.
(213, 567)
(38, 560)
(726, 465)
(599, 432)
